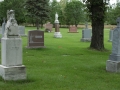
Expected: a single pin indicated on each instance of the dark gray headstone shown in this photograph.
(113, 64)
(36, 39)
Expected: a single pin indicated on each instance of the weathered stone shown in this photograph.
(36, 39)
(113, 64)
(73, 29)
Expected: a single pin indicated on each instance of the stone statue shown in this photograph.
(11, 28)
(56, 18)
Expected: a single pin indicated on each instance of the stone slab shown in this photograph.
(22, 30)
(35, 39)
(73, 29)
(113, 66)
(13, 73)
(11, 51)
(110, 35)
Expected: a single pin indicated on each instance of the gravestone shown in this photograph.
(0, 30)
(86, 34)
(22, 30)
(36, 39)
(57, 33)
(3, 27)
(113, 64)
(110, 35)
(48, 27)
(11, 50)
(73, 29)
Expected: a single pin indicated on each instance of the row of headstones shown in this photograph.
(86, 33)
(21, 30)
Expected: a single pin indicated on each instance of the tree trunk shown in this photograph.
(97, 41)
(37, 24)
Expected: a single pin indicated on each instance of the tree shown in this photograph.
(113, 13)
(16, 5)
(39, 10)
(74, 12)
(54, 8)
(97, 10)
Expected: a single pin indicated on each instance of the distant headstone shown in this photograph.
(111, 35)
(36, 39)
(22, 30)
(48, 27)
(12, 68)
(3, 27)
(73, 29)
(57, 33)
(113, 64)
(86, 34)
(0, 30)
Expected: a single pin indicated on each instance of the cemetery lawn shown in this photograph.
(65, 64)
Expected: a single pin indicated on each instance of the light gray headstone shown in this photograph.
(0, 30)
(86, 35)
(21, 30)
(3, 27)
(110, 35)
(113, 64)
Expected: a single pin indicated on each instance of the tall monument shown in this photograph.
(11, 51)
(113, 64)
(57, 33)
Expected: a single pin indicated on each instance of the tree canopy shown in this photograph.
(39, 10)
(74, 13)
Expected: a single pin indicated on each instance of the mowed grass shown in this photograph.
(65, 64)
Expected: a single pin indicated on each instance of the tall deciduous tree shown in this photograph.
(39, 10)
(97, 14)
(74, 12)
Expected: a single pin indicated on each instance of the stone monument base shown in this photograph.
(13, 72)
(57, 35)
(113, 66)
(85, 40)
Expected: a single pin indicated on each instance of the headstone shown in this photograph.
(48, 27)
(57, 33)
(0, 30)
(3, 27)
(22, 30)
(111, 35)
(73, 29)
(36, 39)
(86, 34)
(11, 50)
(113, 64)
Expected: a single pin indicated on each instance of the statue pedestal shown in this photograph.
(57, 35)
(12, 68)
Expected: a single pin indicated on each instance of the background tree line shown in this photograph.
(70, 13)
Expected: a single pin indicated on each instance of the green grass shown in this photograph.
(65, 64)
